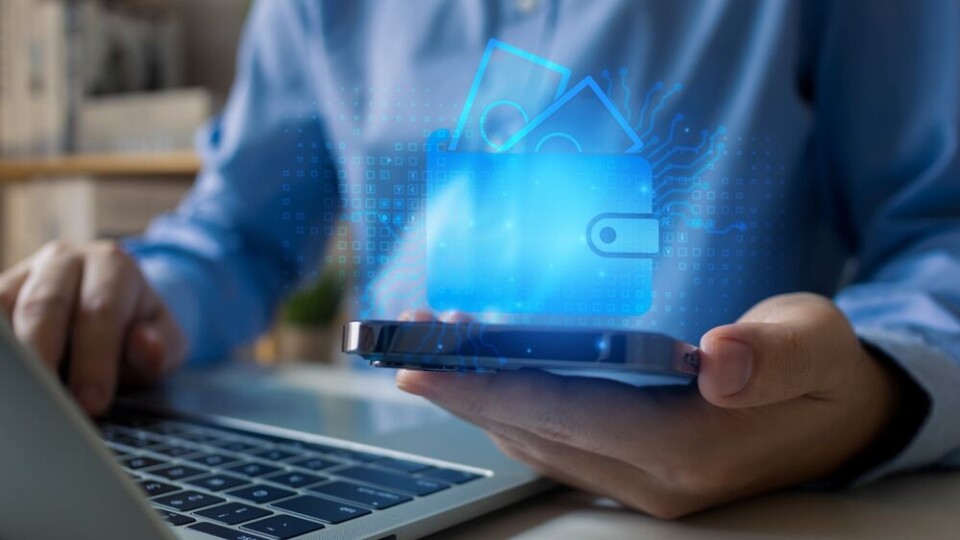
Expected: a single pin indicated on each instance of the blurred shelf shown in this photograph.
(185, 163)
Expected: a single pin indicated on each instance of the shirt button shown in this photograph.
(527, 7)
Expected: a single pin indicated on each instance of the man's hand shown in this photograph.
(89, 312)
(786, 395)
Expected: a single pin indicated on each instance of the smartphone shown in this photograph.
(479, 347)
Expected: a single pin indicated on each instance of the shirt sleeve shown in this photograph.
(255, 221)
(886, 101)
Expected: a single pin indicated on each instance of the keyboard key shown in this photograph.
(448, 475)
(199, 438)
(367, 496)
(173, 451)
(260, 438)
(212, 460)
(218, 482)
(314, 464)
(238, 446)
(135, 421)
(322, 509)
(417, 486)
(141, 462)
(290, 443)
(401, 465)
(178, 472)
(174, 518)
(353, 455)
(274, 454)
(133, 441)
(166, 428)
(261, 493)
(154, 488)
(253, 469)
(233, 513)
(283, 526)
(223, 532)
(295, 479)
(188, 500)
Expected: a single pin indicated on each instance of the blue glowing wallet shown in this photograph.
(551, 234)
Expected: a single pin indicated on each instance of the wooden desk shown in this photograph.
(184, 163)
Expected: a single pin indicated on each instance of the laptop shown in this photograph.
(240, 453)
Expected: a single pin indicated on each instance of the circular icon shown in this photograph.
(500, 122)
(559, 135)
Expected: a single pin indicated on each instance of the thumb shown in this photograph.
(154, 348)
(784, 348)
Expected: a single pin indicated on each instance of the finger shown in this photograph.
(11, 282)
(105, 310)
(625, 483)
(44, 307)
(418, 315)
(454, 316)
(723, 457)
(787, 347)
(575, 411)
(155, 346)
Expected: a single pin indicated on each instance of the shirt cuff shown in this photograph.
(169, 280)
(936, 375)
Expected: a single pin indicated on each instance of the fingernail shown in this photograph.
(736, 366)
(90, 397)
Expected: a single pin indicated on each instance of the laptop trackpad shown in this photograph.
(358, 404)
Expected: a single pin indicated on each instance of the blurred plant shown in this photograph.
(318, 303)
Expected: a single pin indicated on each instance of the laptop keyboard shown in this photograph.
(240, 485)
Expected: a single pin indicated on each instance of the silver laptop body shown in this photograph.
(60, 480)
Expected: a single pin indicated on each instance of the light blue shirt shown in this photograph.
(841, 124)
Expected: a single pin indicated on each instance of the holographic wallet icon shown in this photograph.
(548, 218)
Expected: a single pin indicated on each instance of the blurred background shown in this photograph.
(99, 104)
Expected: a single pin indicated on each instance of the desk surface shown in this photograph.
(922, 506)
(916, 506)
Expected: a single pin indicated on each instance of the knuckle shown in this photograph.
(112, 252)
(58, 248)
(99, 307)
(108, 248)
(42, 304)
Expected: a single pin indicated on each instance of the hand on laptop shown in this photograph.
(89, 311)
(787, 395)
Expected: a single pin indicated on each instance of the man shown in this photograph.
(861, 101)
